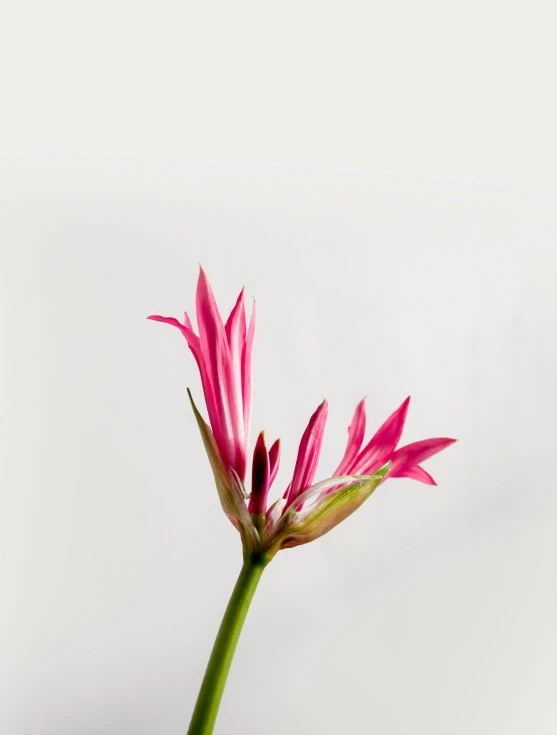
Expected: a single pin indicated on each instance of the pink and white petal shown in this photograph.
(274, 460)
(187, 322)
(356, 433)
(195, 347)
(187, 331)
(225, 410)
(415, 473)
(213, 342)
(380, 447)
(247, 376)
(235, 326)
(189, 334)
(416, 453)
(235, 329)
(273, 515)
(308, 452)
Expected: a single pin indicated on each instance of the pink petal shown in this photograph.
(415, 473)
(187, 321)
(247, 375)
(356, 432)
(235, 326)
(186, 329)
(225, 409)
(308, 452)
(380, 447)
(195, 346)
(235, 329)
(413, 454)
(273, 514)
(274, 460)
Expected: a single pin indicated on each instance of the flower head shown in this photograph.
(308, 510)
(223, 353)
(305, 511)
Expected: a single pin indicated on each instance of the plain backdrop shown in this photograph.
(432, 609)
(445, 88)
(382, 179)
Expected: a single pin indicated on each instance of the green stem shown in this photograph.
(212, 687)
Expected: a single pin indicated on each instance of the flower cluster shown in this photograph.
(306, 511)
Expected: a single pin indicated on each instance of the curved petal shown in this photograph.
(247, 375)
(195, 347)
(187, 322)
(380, 447)
(226, 410)
(235, 326)
(186, 329)
(415, 473)
(273, 515)
(235, 329)
(308, 452)
(356, 433)
(274, 460)
(417, 452)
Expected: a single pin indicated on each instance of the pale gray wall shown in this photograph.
(432, 610)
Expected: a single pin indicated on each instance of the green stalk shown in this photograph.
(212, 687)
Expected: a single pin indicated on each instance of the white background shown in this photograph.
(382, 182)
(452, 88)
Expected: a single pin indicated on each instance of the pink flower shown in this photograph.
(223, 353)
(381, 448)
(306, 511)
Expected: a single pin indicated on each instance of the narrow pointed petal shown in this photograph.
(215, 352)
(259, 477)
(235, 330)
(274, 461)
(230, 490)
(195, 347)
(187, 322)
(235, 326)
(226, 410)
(273, 516)
(247, 375)
(356, 433)
(380, 447)
(415, 473)
(413, 454)
(186, 329)
(308, 452)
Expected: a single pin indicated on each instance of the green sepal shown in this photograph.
(230, 490)
(295, 529)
